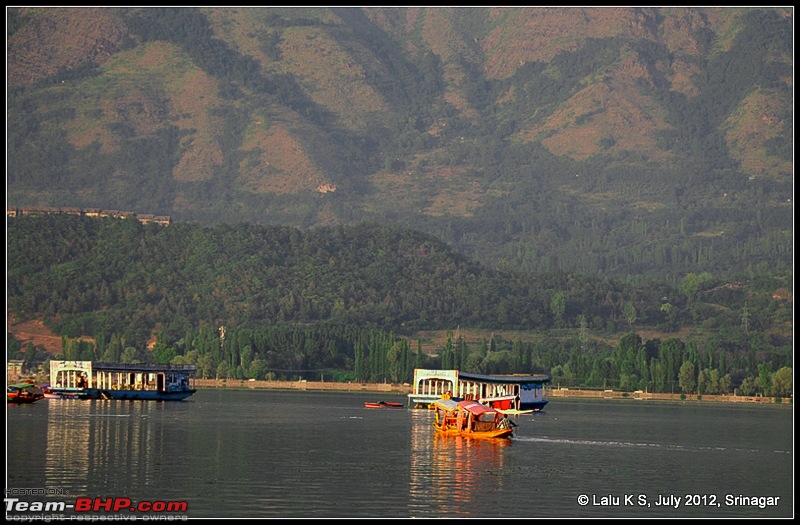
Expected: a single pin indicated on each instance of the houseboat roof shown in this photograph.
(140, 367)
(503, 379)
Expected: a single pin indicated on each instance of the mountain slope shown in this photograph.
(614, 140)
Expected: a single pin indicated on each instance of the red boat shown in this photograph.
(383, 404)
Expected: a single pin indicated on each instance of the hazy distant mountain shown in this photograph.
(602, 140)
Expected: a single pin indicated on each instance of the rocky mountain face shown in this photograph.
(618, 140)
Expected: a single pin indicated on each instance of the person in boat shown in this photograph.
(506, 423)
(447, 395)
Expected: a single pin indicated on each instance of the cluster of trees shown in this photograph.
(708, 365)
(347, 301)
(333, 352)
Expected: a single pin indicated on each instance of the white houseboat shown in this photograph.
(86, 379)
(509, 393)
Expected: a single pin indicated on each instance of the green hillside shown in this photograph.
(361, 301)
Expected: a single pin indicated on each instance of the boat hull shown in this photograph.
(70, 393)
(61, 396)
(138, 395)
(383, 404)
(500, 433)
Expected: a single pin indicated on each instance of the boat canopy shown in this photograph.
(446, 404)
(22, 386)
(476, 408)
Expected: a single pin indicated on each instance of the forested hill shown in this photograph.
(614, 141)
(86, 276)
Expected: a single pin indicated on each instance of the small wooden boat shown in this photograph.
(383, 404)
(49, 393)
(470, 419)
(23, 393)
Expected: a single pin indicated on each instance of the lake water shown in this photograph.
(273, 454)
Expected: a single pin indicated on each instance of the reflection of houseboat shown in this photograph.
(505, 392)
(470, 419)
(122, 380)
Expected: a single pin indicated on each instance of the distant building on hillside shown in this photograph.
(146, 218)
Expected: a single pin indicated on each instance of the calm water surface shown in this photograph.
(242, 453)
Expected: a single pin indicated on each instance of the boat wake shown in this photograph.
(634, 445)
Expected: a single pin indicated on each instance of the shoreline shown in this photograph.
(328, 386)
(554, 393)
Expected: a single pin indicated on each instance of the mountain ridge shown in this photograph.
(476, 125)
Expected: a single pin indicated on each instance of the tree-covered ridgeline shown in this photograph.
(345, 302)
(87, 275)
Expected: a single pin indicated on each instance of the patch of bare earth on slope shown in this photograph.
(36, 333)
(54, 40)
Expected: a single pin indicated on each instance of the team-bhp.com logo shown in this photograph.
(95, 505)
(118, 504)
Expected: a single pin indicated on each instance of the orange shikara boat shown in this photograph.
(470, 419)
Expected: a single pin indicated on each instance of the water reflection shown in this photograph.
(453, 475)
(25, 441)
(67, 450)
(302, 455)
(89, 441)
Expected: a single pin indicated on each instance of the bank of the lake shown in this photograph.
(404, 389)
(323, 386)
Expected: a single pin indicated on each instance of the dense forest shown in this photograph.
(347, 303)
